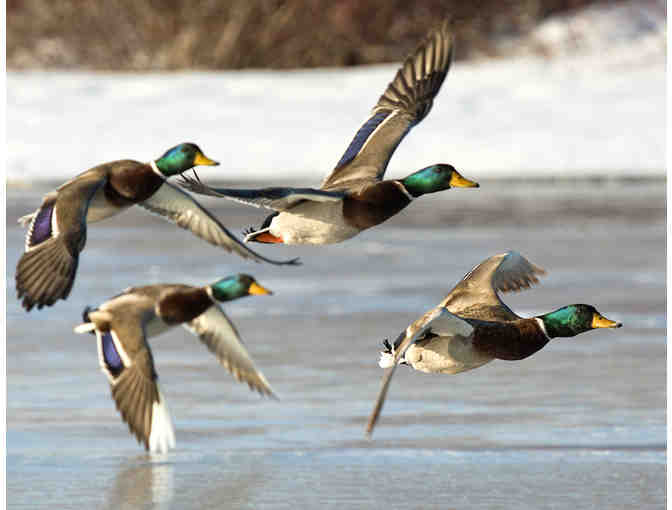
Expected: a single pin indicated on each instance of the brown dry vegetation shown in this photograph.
(215, 34)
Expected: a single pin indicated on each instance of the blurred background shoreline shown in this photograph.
(291, 34)
(542, 89)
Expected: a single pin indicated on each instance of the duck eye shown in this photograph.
(185, 149)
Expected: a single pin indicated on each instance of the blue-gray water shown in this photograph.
(581, 424)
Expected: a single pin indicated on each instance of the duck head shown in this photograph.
(436, 178)
(181, 158)
(574, 319)
(236, 286)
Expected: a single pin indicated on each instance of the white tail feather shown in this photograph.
(85, 328)
(162, 435)
(386, 359)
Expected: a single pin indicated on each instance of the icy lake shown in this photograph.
(570, 155)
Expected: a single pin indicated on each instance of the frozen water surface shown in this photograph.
(581, 424)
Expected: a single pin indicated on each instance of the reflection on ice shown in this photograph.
(139, 482)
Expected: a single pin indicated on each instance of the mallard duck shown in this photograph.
(472, 326)
(354, 197)
(57, 230)
(123, 324)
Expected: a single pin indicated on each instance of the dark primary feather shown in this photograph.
(195, 185)
(275, 198)
(406, 101)
(45, 274)
(134, 393)
(421, 76)
(476, 295)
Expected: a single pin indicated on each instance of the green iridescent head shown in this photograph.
(181, 158)
(236, 286)
(435, 178)
(574, 319)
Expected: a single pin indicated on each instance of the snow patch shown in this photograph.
(596, 112)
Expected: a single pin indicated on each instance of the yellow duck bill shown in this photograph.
(458, 181)
(602, 322)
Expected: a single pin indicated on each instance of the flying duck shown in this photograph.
(123, 324)
(472, 326)
(57, 229)
(354, 197)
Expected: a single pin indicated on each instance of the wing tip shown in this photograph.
(266, 391)
(538, 269)
(45, 274)
(421, 74)
(368, 433)
(296, 261)
(530, 271)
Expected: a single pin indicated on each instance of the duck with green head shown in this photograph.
(57, 229)
(472, 326)
(354, 196)
(124, 324)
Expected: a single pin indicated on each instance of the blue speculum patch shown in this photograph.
(361, 137)
(110, 355)
(42, 225)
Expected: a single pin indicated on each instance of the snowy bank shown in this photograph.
(600, 113)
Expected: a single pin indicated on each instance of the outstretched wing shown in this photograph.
(406, 101)
(179, 207)
(277, 199)
(219, 334)
(126, 358)
(506, 272)
(56, 235)
(439, 321)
